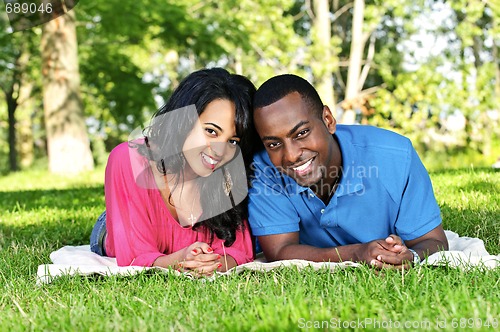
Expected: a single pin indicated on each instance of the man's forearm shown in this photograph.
(310, 253)
(428, 247)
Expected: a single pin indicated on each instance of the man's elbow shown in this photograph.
(444, 244)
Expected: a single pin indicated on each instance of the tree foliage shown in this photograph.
(19, 81)
(133, 54)
(450, 96)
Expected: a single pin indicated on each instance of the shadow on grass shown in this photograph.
(482, 186)
(483, 224)
(54, 235)
(52, 217)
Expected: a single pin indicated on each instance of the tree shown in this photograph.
(354, 85)
(323, 62)
(446, 101)
(133, 55)
(67, 139)
(11, 88)
(266, 43)
(17, 75)
(371, 35)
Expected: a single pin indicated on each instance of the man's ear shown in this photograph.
(329, 120)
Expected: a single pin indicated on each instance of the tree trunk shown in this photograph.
(238, 64)
(323, 62)
(355, 60)
(11, 110)
(497, 72)
(67, 139)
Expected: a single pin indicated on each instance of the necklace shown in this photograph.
(191, 218)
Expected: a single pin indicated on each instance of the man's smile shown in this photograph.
(303, 168)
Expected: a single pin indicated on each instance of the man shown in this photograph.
(327, 192)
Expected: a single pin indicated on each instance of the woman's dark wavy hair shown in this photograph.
(170, 132)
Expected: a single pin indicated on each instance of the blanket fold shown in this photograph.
(464, 252)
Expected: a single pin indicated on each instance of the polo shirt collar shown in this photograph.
(352, 175)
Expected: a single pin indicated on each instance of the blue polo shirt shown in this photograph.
(385, 189)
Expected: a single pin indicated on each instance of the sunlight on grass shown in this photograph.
(40, 179)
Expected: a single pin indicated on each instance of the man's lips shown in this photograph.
(302, 168)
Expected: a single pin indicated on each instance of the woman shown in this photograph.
(175, 197)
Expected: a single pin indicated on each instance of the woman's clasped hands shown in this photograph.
(199, 259)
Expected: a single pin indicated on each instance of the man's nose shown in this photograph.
(292, 153)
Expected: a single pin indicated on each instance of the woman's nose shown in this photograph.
(218, 148)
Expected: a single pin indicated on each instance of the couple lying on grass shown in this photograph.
(219, 154)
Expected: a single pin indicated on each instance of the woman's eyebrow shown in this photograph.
(215, 125)
(220, 129)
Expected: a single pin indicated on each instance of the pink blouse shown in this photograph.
(139, 224)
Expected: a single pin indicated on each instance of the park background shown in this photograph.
(73, 88)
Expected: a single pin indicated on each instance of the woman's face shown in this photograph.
(212, 142)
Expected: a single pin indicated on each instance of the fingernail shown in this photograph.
(218, 256)
(372, 262)
(178, 270)
(219, 266)
(194, 251)
(209, 249)
(379, 257)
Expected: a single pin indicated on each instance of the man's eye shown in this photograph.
(272, 145)
(303, 132)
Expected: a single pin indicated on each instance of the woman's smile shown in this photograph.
(209, 162)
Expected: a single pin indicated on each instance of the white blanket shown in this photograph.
(464, 252)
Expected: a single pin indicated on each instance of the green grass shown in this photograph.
(41, 213)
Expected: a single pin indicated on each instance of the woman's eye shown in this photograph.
(211, 131)
(234, 142)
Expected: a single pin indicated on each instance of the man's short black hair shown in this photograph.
(280, 86)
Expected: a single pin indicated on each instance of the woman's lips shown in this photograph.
(209, 161)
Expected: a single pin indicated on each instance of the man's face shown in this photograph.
(298, 141)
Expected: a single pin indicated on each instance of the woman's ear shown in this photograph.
(329, 120)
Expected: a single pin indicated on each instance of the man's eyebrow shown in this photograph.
(290, 133)
(270, 138)
(297, 126)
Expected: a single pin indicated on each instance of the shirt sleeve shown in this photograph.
(270, 209)
(419, 212)
(129, 227)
